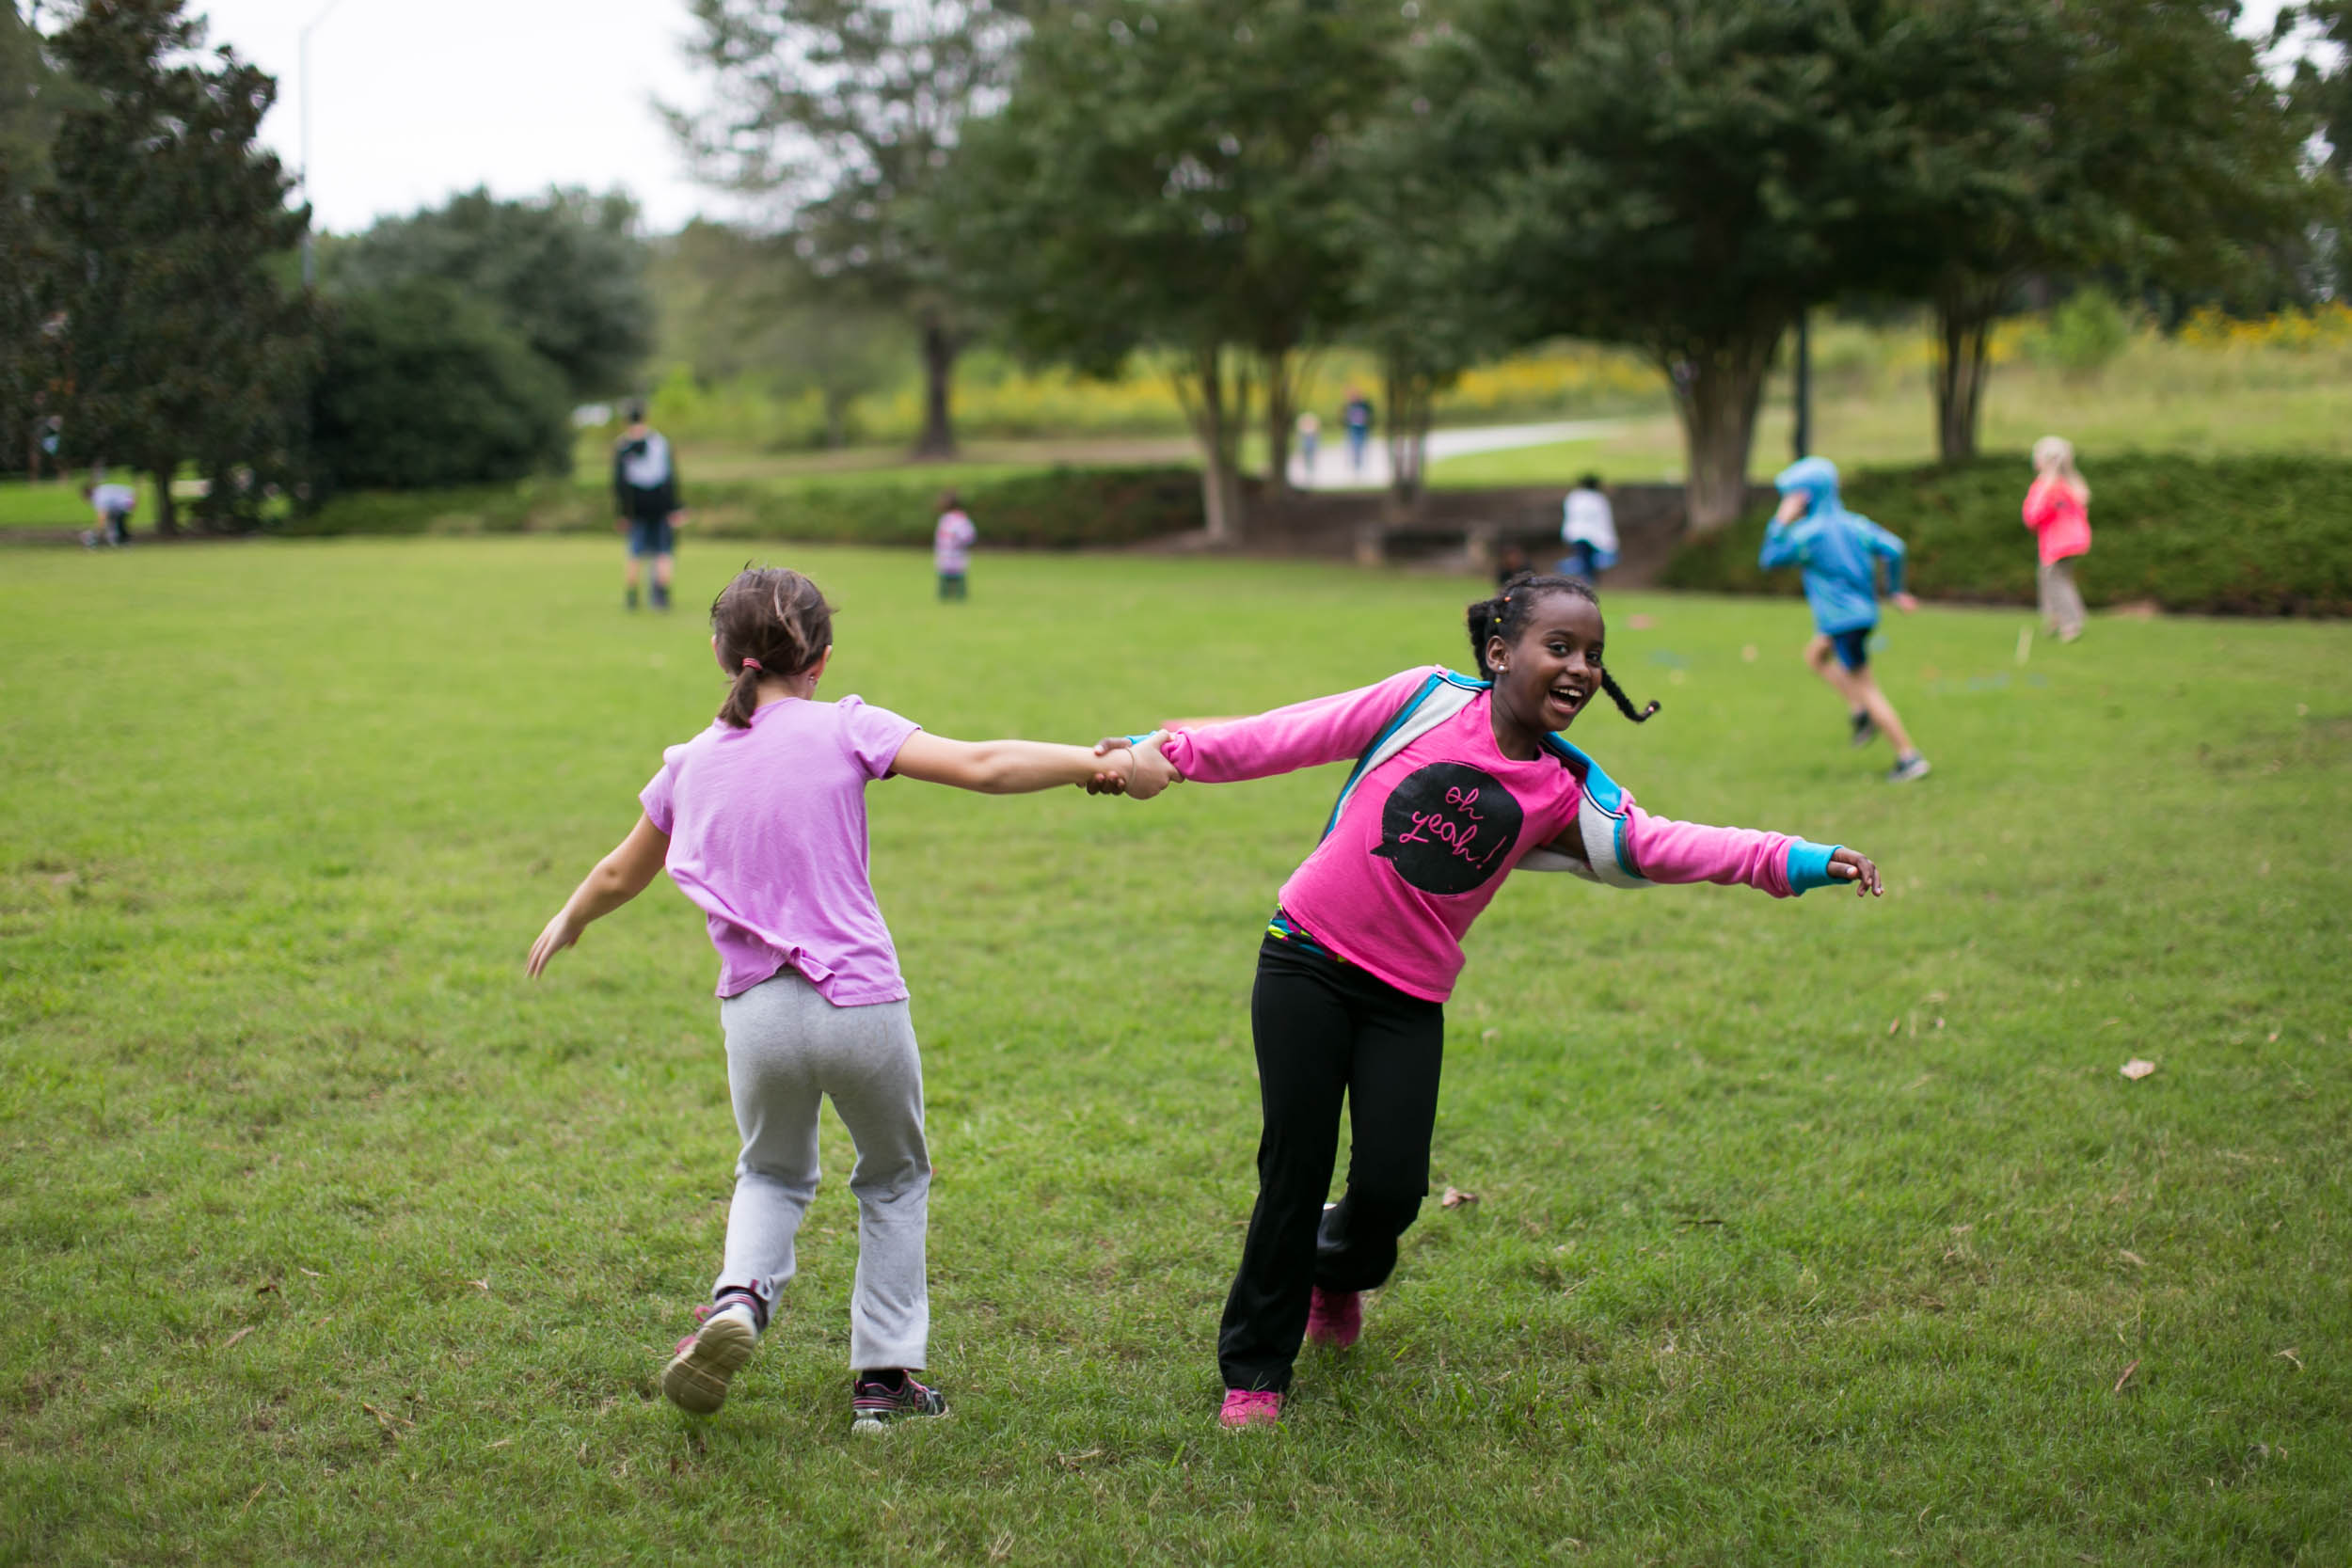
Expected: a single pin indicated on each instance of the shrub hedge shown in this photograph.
(2267, 535)
(1052, 509)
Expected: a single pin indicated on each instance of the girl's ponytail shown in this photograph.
(770, 621)
(742, 697)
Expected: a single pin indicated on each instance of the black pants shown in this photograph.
(1325, 1032)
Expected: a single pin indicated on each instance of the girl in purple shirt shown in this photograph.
(1456, 782)
(760, 820)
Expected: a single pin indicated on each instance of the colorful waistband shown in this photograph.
(1282, 929)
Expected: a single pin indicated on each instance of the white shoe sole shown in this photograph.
(696, 1378)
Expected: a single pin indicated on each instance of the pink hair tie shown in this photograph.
(754, 664)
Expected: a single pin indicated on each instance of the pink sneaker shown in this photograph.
(1335, 1318)
(1251, 1407)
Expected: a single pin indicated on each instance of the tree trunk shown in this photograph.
(1279, 370)
(166, 515)
(939, 367)
(1411, 401)
(1217, 415)
(1717, 387)
(1963, 341)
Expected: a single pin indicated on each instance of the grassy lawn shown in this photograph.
(1806, 1230)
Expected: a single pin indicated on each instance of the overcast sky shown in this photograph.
(417, 99)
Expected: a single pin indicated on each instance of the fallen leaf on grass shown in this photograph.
(1894, 1025)
(385, 1421)
(2134, 1258)
(2125, 1378)
(312, 1273)
(2137, 1068)
(229, 1343)
(501, 1442)
(1076, 1460)
(266, 1288)
(1454, 1198)
(2290, 1354)
(482, 1284)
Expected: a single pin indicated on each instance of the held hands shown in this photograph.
(1146, 772)
(560, 933)
(1847, 866)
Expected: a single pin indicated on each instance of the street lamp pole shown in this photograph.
(302, 68)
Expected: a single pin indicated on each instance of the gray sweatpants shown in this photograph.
(2062, 601)
(787, 1048)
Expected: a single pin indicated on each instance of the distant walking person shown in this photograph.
(951, 549)
(2058, 509)
(1310, 440)
(113, 503)
(646, 498)
(1357, 417)
(1839, 552)
(1589, 528)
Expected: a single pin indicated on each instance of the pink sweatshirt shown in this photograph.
(2061, 523)
(1426, 837)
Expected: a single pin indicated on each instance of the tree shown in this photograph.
(1409, 307)
(32, 96)
(178, 341)
(2138, 138)
(424, 386)
(1170, 179)
(1680, 175)
(845, 114)
(566, 271)
(738, 304)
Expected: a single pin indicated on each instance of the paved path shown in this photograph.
(1332, 472)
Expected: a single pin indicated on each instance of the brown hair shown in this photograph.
(770, 621)
(947, 502)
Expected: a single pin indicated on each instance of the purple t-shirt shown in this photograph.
(767, 837)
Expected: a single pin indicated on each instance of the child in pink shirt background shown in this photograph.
(1459, 782)
(2058, 509)
(951, 549)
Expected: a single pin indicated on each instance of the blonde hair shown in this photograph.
(2057, 452)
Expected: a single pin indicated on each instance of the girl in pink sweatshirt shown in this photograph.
(1457, 781)
(2058, 509)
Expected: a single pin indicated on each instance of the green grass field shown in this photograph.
(1807, 1231)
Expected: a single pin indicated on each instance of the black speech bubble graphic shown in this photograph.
(1448, 827)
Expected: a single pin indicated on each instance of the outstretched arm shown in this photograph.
(1021, 767)
(1664, 851)
(1304, 734)
(618, 877)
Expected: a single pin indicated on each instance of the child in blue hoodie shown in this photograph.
(1839, 552)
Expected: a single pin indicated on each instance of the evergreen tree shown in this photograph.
(180, 343)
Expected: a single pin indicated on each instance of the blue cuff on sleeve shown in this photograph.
(1808, 866)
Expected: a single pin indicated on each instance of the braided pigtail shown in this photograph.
(1625, 704)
